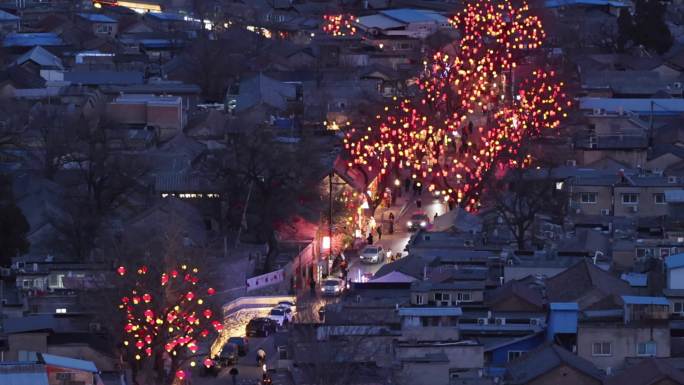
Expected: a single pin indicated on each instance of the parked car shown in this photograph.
(228, 356)
(281, 315)
(332, 286)
(261, 327)
(418, 221)
(372, 254)
(242, 344)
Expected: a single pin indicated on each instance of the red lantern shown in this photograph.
(121, 270)
(211, 291)
(180, 374)
(147, 298)
(207, 313)
(189, 296)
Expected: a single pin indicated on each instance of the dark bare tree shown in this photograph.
(521, 195)
(56, 131)
(13, 224)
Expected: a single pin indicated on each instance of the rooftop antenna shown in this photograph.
(596, 254)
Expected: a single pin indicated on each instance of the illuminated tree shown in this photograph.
(167, 317)
(339, 25)
(464, 118)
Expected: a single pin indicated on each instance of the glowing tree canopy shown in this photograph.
(465, 118)
(339, 25)
(167, 315)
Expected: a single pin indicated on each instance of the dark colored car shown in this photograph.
(261, 327)
(242, 343)
(228, 356)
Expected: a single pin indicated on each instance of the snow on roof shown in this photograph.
(69, 363)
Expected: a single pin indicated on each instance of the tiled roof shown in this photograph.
(576, 281)
(647, 372)
(543, 360)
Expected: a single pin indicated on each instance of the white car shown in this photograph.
(281, 315)
(332, 286)
(372, 254)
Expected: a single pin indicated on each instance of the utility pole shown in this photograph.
(243, 221)
(330, 212)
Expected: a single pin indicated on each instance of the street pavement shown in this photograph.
(403, 209)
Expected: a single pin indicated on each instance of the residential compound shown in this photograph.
(212, 131)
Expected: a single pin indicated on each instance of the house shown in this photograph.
(551, 364)
(416, 23)
(42, 62)
(23, 373)
(190, 93)
(501, 350)
(9, 23)
(171, 22)
(260, 96)
(98, 24)
(630, 193)
(620, 327)
(437, 362)
(674, 287)
(164, 114)
(650, 371)
(646, 107)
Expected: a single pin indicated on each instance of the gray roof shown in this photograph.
(46, 39)
(443, 311)
(379, 21)
(406, 15)
(639, 106)
(541, 361)
(428, 285)
(428, 358)
(183, 182)
(169, 87)
(40, 56)
(5, 17)
(69, 363)
(32, 323)
(97, 78)
(96, 18)
(23, 373)
(625, 82)
(412, 266)
(261, 89)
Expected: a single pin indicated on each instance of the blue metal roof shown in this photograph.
(639, 300)
(635, 279)
(430, 311)
(564, 306)
(566, 3)
(46, 39)
(23, 373)
(674, 261)
(96, 18)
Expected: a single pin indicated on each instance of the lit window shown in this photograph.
(630, 199)
(602, 349)
(60, 310)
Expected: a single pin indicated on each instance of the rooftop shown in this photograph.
(642, 300)
(45, 39)
(430, 311)
(96, 18)
(544, 359)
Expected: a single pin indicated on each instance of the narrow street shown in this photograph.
(396, 242)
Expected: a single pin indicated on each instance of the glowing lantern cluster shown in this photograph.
(174, 318)
(465, 120)
(339, 25)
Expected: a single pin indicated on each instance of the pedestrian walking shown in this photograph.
(234, 373)
(379, 231)
(312, 286)
(435, 218)
(391, 223)
(419, 203)
(370, 239)
(407, 184)
(451, 204)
